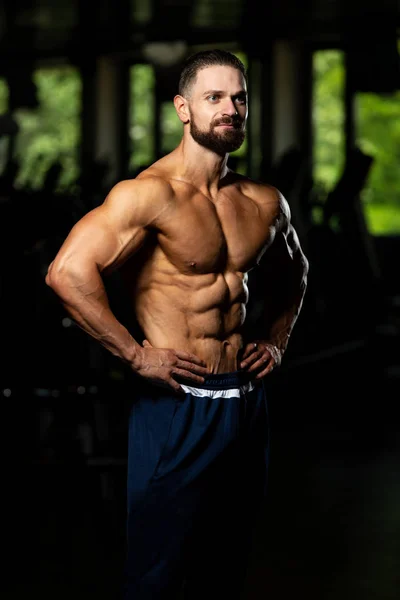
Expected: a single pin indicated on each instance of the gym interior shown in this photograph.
(86, 100)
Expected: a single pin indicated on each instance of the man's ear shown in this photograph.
(182, 109)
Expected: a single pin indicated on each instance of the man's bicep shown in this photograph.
(88, 242)
(290, 258)
(112, 232)
(95, 242)
(284, 255)
(292, 241)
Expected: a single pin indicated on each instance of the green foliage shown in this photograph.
(378, 120)
(142, 110)
(51, 132)
(383, 219)
(3, 109)
(241, 152)
(171, 128)
(3, 96)
(328, 118)
(378, 134)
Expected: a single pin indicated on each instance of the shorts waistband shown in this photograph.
(224, 381)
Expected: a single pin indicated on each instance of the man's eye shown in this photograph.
(213, 97)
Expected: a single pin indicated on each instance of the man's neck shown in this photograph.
(201, 167)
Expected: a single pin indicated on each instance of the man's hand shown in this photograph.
(160, 365)
(260, 356)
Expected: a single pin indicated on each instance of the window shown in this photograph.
(328, 114)
(141, 117)
(239, 162)
(3, 109)
(378, 134)
(171, 127)
(50, 134)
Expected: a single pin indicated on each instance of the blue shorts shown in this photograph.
(197, 474)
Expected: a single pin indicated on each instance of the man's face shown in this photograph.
(218, 109)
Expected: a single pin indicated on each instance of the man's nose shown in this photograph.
(229, 108)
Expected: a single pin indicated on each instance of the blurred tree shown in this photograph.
(171, 127)
(3, 110)
(328, 118)
(50, 134)
(141, 116)
(377, 134)
(3, 95)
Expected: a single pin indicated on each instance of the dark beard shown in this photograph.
(227, 140)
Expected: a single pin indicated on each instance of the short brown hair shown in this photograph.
(201, 60)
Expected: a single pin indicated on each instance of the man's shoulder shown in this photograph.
(266, 195)
(260, 190)
(146, 187)
(151, 180)
(138, 201)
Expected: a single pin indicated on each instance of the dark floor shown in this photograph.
(330, 529)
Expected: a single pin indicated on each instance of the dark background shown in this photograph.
(331, 525)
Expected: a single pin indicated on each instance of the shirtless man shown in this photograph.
(185, 234)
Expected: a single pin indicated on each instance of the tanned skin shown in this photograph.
(185, 234)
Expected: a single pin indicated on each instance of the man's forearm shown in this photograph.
(278, 333)
(87, 304)
(280, 315)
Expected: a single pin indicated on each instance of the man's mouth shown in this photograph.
(230, 125)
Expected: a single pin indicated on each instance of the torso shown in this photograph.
(189, 283)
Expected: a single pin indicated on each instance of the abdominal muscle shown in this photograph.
(201, 314)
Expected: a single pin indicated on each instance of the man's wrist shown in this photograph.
(133, 355)
(275, 352)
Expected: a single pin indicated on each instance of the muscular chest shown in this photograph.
(200, 236)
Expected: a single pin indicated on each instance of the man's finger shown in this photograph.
(265, 371)
(190, 357)
(259, 363)
(188, 366)
(250, 360)
(147, 344)
(249, 350)
(176, 387)
(188, 375)
(245, 363)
